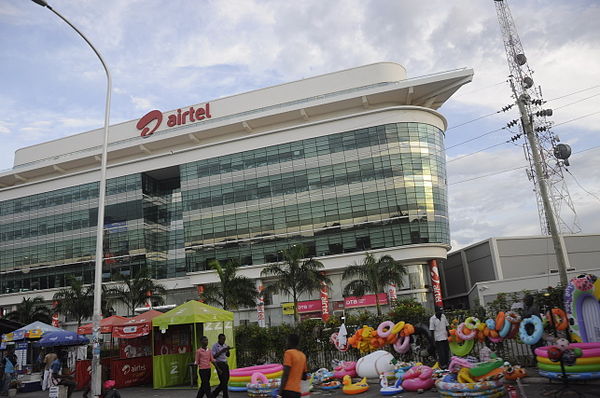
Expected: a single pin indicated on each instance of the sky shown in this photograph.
(169, 54)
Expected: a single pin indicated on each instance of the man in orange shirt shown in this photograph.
(294, 369)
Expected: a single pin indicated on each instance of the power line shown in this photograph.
(475, 138)
(517, 168)
(578, 101)
(573, 93)
(489, 175)
(504, 110)
(580, 186)
(507, 142)
(474, 120)
(473, 153)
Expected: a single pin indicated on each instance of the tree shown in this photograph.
(234, 291)
(134, 291)
(296, 275)
(30, 310)
(372, 276)
(76, 301)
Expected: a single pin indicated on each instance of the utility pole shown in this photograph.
(561, 255)
(546, 156)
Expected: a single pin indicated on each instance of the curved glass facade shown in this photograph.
(371, 188)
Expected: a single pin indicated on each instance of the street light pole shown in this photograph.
(96, 368)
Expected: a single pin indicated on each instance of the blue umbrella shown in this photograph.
(61, 338)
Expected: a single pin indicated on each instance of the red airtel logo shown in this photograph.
(152, 120)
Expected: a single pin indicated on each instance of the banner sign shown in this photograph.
(260, 304)
(367, 300)
(303, 307)
(131, 331)
(134, 348)
(324, 302)
(83, 370)
(132, 371)
(287, 308)
(392, 292)
(435, 283)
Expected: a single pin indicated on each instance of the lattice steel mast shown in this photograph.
(547, 157)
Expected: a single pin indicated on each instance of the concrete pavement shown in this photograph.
(532, 390)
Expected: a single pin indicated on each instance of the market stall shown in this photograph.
(28, 366)
(176, 337)
(108, 354)
(134, 365)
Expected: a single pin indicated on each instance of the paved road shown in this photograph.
(533, 390)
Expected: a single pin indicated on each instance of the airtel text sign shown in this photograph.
(152, 120)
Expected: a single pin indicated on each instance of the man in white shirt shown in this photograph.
(438, 324)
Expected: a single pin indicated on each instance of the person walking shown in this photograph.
(220, 352)
(204, 358)
(47, 380)
(438, 325)
(8, 364)
(294, 369)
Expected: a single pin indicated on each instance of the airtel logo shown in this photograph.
(126, 369)
(152, 120)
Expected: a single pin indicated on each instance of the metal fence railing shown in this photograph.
(509, 350)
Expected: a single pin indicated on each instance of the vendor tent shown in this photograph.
(34, 330)
(106, 325)
(137, 326)
(177, 335)
(62, 338)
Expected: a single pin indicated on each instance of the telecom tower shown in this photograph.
(546, 155)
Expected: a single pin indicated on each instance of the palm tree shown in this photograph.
(296, 275)
(76, 300)
(234, 291)
(372, 275)
(30, 310)
(134, 291)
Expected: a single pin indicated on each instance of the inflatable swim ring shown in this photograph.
(418, 378)
(463, 334)
(573, 376)
(578, 361)
(559, 318)
(385, 328)
(534, 337)
(265, 369)
(345, 368)
(472, 322)
(587, 349)
(499, 321)
(462, 349)
(401, 346)
(386, 389)
(398, 327)
(247, 379)
(354, 388)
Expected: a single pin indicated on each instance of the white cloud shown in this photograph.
(166, 55)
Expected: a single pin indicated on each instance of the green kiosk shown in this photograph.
(176, 337)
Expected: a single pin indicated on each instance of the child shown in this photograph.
(110, 391)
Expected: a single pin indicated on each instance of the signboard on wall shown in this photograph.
(367, 300)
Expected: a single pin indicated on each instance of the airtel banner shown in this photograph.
(152, 120)
(367, 300)
(132, 371)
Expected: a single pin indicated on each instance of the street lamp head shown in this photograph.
(41, 2)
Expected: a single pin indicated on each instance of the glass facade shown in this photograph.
(371, 188)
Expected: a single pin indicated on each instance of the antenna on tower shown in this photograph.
(547, 157)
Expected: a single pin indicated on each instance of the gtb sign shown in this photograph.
(152, 120)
